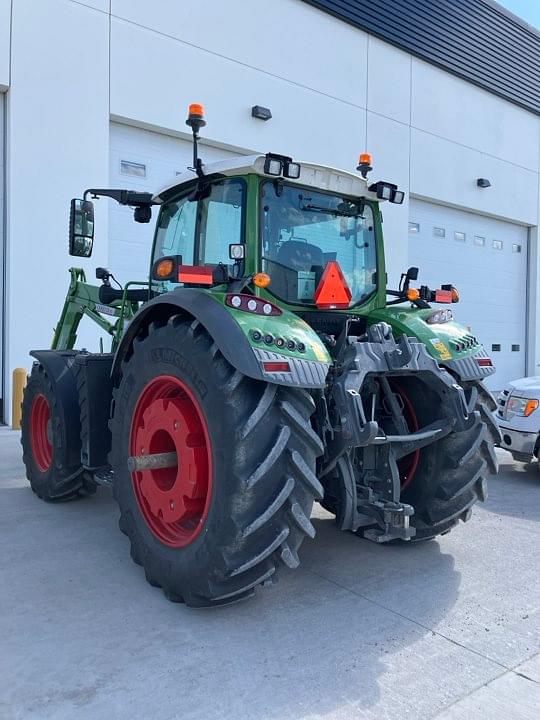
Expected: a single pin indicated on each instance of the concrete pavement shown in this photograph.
(446, 629)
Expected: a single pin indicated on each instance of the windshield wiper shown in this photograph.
(342, 210)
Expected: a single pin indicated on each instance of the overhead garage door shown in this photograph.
(145, 161)
(486, 259)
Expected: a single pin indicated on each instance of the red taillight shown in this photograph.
(195, 275)
(484, 362)
(443, 296)
(276, 367)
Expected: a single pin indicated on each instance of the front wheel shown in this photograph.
(234, 500)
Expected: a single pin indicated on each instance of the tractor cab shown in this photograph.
(267, 214)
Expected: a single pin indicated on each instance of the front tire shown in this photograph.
(248, 507)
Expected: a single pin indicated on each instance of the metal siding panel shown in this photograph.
(473, 39)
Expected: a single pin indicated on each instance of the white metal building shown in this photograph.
(93, 93)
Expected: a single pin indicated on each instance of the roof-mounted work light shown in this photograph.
(277, 165)
(387, 191)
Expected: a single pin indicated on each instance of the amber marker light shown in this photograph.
(530, 407)
(196, 109)
(364, 164)
(455, 294)
(412, 294)
(261, 280)
(196, 117)
(164, 269)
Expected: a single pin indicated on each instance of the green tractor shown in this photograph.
(263, 365)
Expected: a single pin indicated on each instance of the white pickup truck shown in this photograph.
(518, 416)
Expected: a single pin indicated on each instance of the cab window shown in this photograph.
(201, 230)
(221, 221)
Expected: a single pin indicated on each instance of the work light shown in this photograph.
(292, 170)
(236, 252)
(273, 165)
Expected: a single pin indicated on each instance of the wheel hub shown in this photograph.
(41, 432)
(173, 499)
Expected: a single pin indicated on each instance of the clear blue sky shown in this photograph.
(528, 10)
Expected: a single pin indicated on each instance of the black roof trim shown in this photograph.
(477, 40)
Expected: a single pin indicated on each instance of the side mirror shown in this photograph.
(412, 273)
(81, 228)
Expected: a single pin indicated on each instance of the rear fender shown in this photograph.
(449, 343)
(228, 334)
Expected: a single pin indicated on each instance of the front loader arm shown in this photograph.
(83, 299)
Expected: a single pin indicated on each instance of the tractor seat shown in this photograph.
(292, 258)
(299, 255)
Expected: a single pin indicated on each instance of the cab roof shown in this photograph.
(317, 176)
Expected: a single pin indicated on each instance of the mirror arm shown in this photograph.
(123, 197)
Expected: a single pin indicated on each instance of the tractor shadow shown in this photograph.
(337, 629)
(330, 636)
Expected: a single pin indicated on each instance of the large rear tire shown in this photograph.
(249, 451)
(450, 475)
(52, 467)
(445, 479)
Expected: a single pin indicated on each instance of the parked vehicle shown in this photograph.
(262, 366)
(519, 418)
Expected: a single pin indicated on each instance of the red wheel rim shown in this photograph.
(174, 501)
(41, 432)
(408, 465)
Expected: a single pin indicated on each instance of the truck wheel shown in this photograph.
(47, 459)
(237, 503)
(444, 480)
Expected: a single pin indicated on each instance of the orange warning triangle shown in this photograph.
(332, 291)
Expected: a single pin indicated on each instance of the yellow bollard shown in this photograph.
(19, 383)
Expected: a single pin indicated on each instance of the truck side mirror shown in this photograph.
(412, 273)
(81, 228)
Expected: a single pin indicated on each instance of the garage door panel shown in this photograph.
(145, 161)
(486, 259)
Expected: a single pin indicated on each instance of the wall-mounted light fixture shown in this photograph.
(483, 183)
(260, 112)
